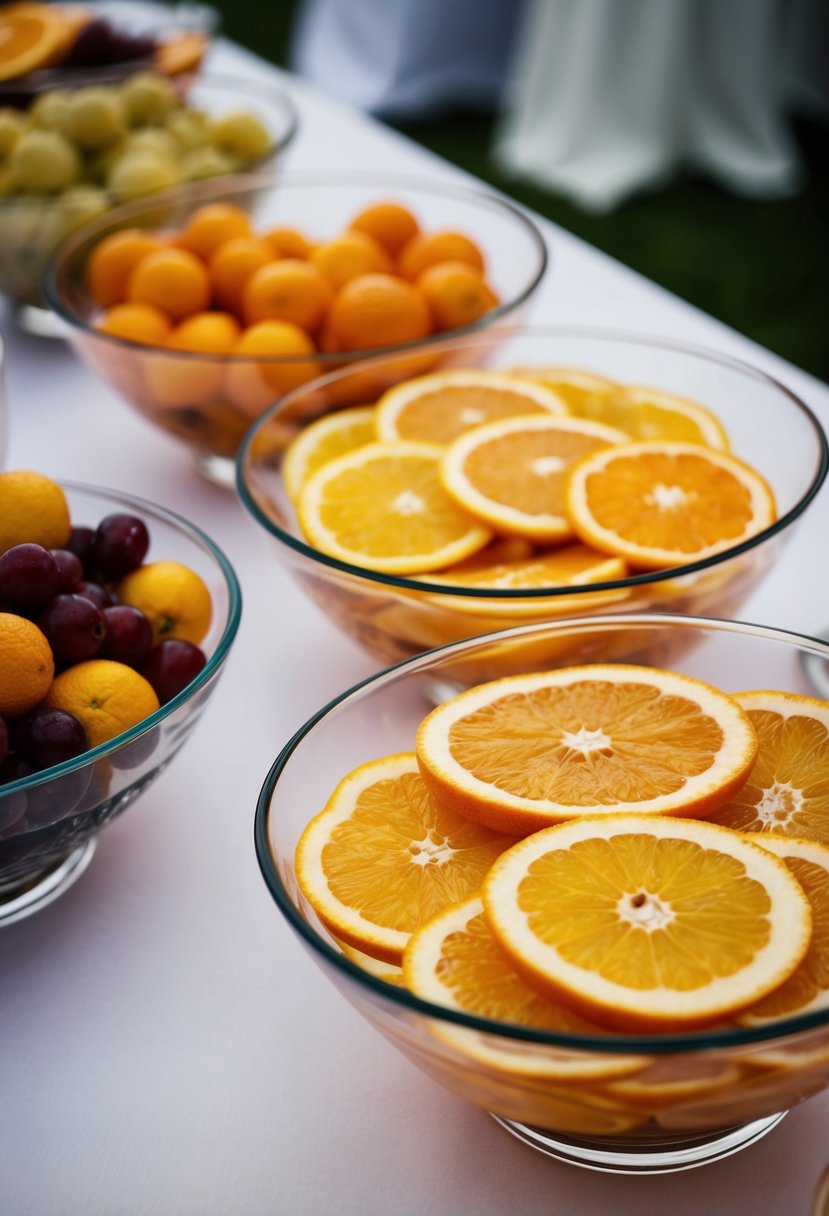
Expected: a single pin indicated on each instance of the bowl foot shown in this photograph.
(220, 470)
(40, 322)
(664, 1154)
(36, 893)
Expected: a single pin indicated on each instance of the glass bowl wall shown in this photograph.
(627, 1103)
(394, 617)
(216, 398)
(49, 820)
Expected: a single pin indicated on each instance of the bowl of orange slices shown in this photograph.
(562, 470)
(116, 618)
(577, 872)
(204, 306)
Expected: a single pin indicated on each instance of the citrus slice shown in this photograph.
(581, 390)
(526, 751)
(649, 413)
(323, 440)
(664, 504)
(454, 960)
(511, 473)
(32, 36)
(389, 973)
(807, 989)
(787, 791)
(672, 1079)
(642, 922)
(384, 507)
(443, 405)
(382, 857)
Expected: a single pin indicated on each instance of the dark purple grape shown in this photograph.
(4, 741)
(82, 542)
(57, 797)
(171, 665)
(45, 737)
(99, 595)
(129, 635)
(134, 754)
(74, 628)
(99, 43)
(29, 576)
(121, 544)
(70, 568)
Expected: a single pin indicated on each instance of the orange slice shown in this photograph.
(182, 52)
(581, 390)
(382, 857)
(526, 751)
(787, 790)
(512, 473)
(807, 989)
(443, 405)
(32, 36)
(664, 504)
(330, 436)
(650, 413)
(384, 507)
(389, 973)
(454, 960)
(642, 922)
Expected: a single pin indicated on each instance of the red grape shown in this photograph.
(129, 635)
(171, 665)
(70, 568)
(29, 576)
(74, 628)
(82, 542)
(99, 595)
(121, 544)
(46, 736)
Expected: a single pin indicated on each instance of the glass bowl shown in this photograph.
(33, 226)
(627, 1103)
(49, 821)
(217, 397)
(394, 617)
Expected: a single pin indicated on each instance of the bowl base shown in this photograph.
(39, 322)
(665, 1154)
(220, 470)
(22, 901)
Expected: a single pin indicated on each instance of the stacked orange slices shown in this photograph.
(593, 849)
(589, 481)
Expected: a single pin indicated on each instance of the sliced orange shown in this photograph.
(787, 791)
(454, 960)
(389, 973)
(643, 922)
(512, 473)
(32, 36)
(576, 386)
(383, 857)
(526, 751)
(650, 413)
(664, 504)
(440, 406)
(807, 989)
(322, 440)
(383, 507)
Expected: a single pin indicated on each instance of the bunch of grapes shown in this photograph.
(68, 593)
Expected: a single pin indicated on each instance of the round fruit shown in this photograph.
(29, 577)
(74, 627)
(44, 161)
(211, 226)
(378, 310)
(174, 598)
(70, 569)
(141, 323)
(113, 260)
(108, 697)
(47, 736)
(240, 134)
(171, 665)
(33, 508)
(129, 636)
(390, 223)
(121, 544)
(26, 665)
(173, 280)
(288, 290)
(140, 172)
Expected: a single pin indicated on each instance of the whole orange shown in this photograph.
(378, 310)
(289, 290)
(33, 508)
(428, 248)
(390, 223)
(175, 382)
(211, 226)
(141, 323)
(26, 665)
(456, 294)
(287, 243)
(174, 598)
(349, 255)
(232, 264)
(252, 385)
(173, 280)
(113, 260)
(107, 697)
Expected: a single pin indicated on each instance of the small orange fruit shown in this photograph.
(289, 290)
(232, 264)
(136, 323)
(349, 255)
(113, 260)
(456, 294)
(174, 598)
(378, 310)
(288, 243)
(33, 509)
(428, 248)
(173, 280)
(252, 386)
(26, 665)
(390, 223)
(107, 697)
(215, 333)
(175, 383)
(211, 226)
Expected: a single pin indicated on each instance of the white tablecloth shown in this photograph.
(166, 1046)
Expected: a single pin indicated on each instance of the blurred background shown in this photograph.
(686, 138)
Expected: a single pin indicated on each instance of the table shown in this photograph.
(167, 1047)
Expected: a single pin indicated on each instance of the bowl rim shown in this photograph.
(611, 1042)
(234, 611)
(423, 586)
(240, 183)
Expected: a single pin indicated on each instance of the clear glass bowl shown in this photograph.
(394, 617)
(223, 394)
(632, 1104)
(33, 226)
(49, 820)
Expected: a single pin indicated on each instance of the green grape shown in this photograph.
(44, 161)
(156, 140)
(95, 119)
(147, 98)
(99, 165)
(138, 173)
(12, 125)
(189, 128)
(50, 110)
(204, 162)
(77, 206)
(240, 134)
